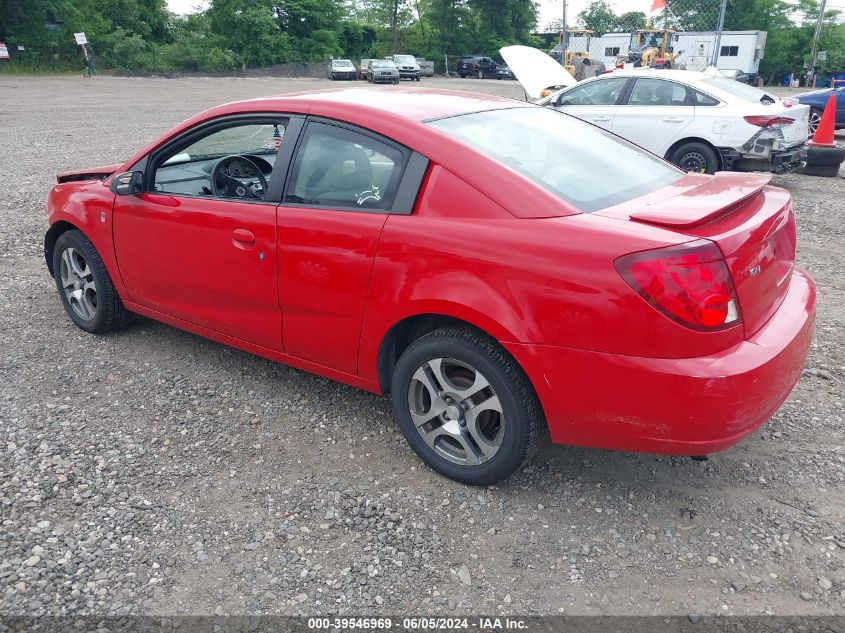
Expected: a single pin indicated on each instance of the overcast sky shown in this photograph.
(549, 9)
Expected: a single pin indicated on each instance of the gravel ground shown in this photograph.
(154, 472)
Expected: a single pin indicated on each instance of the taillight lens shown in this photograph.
(769, 121)
(689, 283)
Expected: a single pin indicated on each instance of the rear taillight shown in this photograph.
(689, 283)
(769, 121)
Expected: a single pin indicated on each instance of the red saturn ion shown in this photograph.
(495, 266)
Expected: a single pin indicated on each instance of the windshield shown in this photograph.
(383, 64)
(404, 59)
(737, 89)
(342, 63)
(584, 165)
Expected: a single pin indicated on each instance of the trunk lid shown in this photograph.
(796, 132)
(752, 223)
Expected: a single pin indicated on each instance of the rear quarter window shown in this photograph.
(586, 166)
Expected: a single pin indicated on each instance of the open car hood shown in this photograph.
(535, 70)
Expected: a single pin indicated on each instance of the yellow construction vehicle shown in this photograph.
(652, 48)
(578, 63)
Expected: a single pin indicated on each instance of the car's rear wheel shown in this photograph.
(815, 119)
(84, 285)
(465, 407)
(696, 157)
(480, 74)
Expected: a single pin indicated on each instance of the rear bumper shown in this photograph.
(789, 159)
(777, 161)
(688, 406)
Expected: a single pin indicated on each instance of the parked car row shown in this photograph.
(390, 69)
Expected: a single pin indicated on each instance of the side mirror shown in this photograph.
(128, 184)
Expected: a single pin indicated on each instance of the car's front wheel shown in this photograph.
(696, 157)
(85, 288)
(480, 74)
(465, 406)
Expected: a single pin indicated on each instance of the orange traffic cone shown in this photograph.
(824, 133)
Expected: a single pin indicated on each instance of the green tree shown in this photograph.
(598, 17)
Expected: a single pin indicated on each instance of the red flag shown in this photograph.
(657, 4)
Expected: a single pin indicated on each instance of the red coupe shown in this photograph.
(496, 266)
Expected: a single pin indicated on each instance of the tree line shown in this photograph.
(141, 35)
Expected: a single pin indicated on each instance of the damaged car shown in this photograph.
(700, 121)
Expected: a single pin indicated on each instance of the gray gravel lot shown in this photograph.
(155, 472)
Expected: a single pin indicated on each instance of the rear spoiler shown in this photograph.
(95, 173)
(715, 197)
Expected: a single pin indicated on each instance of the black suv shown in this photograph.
(476, 66)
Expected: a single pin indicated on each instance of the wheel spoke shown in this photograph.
(479, 382)
(67, 260)
(79, 270)
(487, 447)
(472, 459)
(437, 403)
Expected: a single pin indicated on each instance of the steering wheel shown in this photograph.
(222, 184)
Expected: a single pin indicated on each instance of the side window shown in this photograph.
(233, 162)
(658, 92)
(598, 92)
(336, 167)
(701, 99)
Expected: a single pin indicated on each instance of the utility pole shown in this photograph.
(816, 34)
(563, 37)
(722, 8)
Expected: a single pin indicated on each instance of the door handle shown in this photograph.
(243, 238)
(673, 119)
(601, 118)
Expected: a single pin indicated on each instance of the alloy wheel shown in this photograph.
(815, 119)
(456, 411)
(78, 284)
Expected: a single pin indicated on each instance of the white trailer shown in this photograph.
(741, 50)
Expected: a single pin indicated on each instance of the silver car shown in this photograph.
(342, 69)
(383, 71)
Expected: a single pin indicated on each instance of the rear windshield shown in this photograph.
(738, 89)
(582, 164)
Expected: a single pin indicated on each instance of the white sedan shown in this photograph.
(699, 121)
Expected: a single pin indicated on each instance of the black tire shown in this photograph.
(110, 313)
(370, 79)
(396, 81)
(417, 78)
(820, 170)
(521, 419)
(479, 74)
(696, 157)
(825, 155)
